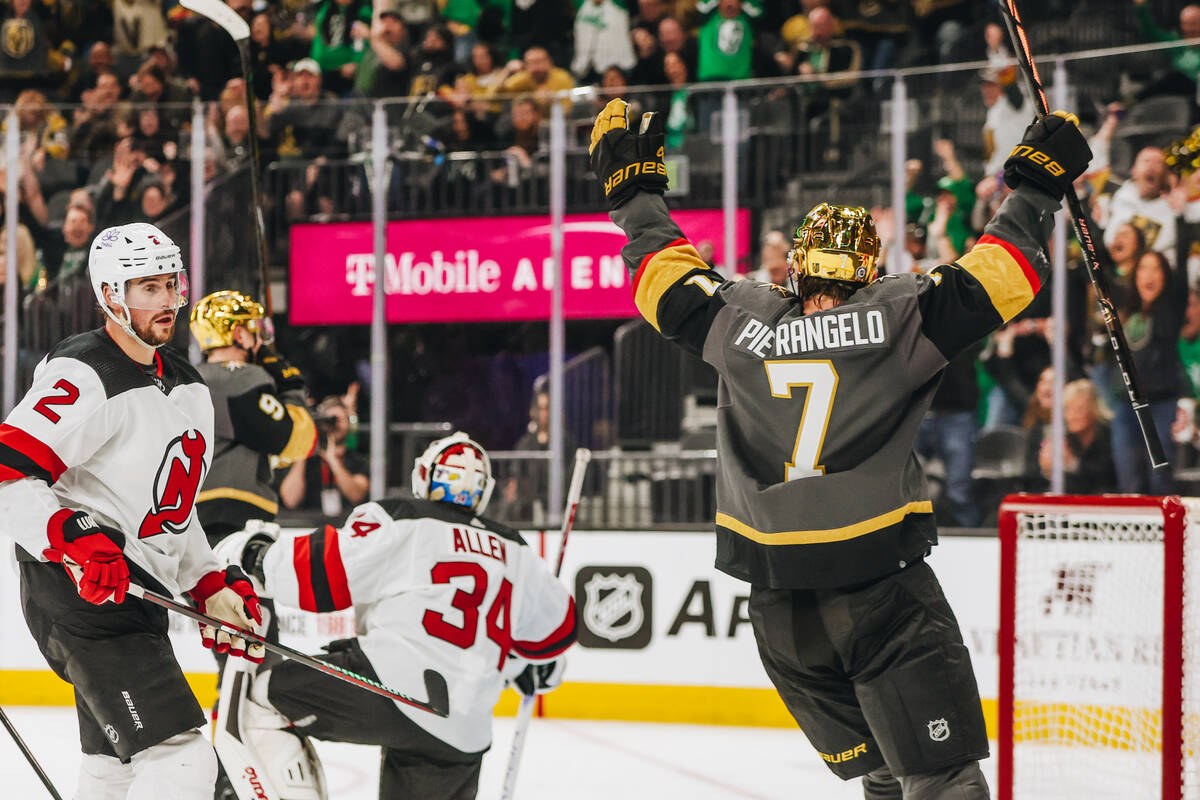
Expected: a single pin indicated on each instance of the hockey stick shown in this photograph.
(221, 14)
(1083, 233)
(435, 685)
(25, 751)
(525, 712)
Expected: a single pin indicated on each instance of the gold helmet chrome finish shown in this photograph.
(216, 315)
(838, 243)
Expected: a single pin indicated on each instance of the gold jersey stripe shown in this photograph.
(239, 495)
(832, 534)
(1003, 279)
(304, 435)
(661, 272)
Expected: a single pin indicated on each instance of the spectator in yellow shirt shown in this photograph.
(538, 76)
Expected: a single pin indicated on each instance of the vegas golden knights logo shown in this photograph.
(16, 37)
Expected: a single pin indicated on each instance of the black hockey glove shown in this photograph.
(287, 378)
(541, 678)
(625, 161)
(1051, 156)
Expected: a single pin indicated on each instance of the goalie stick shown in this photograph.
(525, 713)
(25, 751)
(1083, 233)
(435, 685)
(221, 14)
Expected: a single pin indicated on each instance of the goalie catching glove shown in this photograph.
(229, 597)
(626, 161)
(91, 554)
(1051, 156)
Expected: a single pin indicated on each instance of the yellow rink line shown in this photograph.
(705, 705)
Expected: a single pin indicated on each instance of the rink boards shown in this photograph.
(664, 637)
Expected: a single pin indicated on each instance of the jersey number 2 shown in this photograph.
(498, 622)
(821, 379)
(69, 395)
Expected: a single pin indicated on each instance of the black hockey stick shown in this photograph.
(435, 685)
(583, 457)
(221, 14)
(1112, 323)
(25, 751)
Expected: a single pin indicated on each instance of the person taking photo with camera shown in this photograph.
(334, 478)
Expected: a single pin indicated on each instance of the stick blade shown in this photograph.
(223, 15)
(438, 693)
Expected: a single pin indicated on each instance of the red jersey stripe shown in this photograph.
(637, 276)
(558, 641)
(335, 571)
(32, 449)
(302, 560)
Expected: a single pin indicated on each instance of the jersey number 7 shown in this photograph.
(821, 379)
(498, 622)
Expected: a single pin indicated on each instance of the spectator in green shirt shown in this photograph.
(1189, 341)
(1185, 61)
(342, 30)
(726, 42)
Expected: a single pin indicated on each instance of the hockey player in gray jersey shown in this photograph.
(261, 419)
(821, 504)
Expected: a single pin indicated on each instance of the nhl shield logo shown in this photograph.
(111, 733)
(939, 730)
(617, 612)
(615, 606)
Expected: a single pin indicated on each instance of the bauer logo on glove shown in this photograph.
(1052, 154)
(626, 161)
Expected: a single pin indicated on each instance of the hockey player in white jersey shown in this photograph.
(434, 585)
(100, 464)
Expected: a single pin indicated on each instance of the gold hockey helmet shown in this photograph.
(216, 315)
(837, 243)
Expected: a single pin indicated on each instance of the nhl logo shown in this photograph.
(603, 614)
(939, 730)
(615, 606)
(111, 733)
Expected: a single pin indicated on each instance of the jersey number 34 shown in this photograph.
(467, 603)
(821, 379)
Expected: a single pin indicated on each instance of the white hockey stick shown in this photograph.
(221, 14)
(528, 701)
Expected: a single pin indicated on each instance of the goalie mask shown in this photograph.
(455, 470)
(216, 316)
(837, 243)
(126, 252)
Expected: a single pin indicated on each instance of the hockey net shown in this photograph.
(1099, 647)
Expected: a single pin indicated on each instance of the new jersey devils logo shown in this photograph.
(176, 485)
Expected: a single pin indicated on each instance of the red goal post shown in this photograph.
(1097, 696)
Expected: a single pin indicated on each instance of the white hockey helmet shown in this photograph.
(124, 252)
(455, 469)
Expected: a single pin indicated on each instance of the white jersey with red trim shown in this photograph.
(433, 587)
(99, 432)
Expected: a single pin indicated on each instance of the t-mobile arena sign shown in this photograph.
(464, 270)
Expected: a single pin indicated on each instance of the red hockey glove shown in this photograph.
(90, 553)
(229, 597)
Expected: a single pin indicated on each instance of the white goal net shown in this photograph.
(1099, 654)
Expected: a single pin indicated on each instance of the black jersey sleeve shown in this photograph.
(991, 283)
(264, 422)
(673, 288)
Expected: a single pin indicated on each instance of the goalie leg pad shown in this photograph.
(103, 778)
(184, 767)
(261, 752)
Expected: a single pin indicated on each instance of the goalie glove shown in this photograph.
(1052, 154)
(541, 678)
(229, 597)
(247, 549)
(626, 161)
(91, 554)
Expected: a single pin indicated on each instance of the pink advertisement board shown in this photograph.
(492, 269)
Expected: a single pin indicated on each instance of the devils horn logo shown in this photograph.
(175, 485)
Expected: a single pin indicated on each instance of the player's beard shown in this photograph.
(154, 334)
